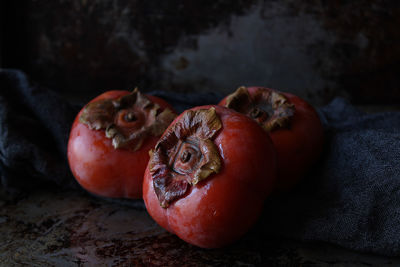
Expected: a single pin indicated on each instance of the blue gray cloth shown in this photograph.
(351, 198)
(34, 130)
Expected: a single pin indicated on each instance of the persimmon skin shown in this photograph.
(223, 207)
(99, 167)
(299, 146)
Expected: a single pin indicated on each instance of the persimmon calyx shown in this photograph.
(185, 155)
(128, 120)
(269, 108)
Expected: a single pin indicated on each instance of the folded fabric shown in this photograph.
(34, 129)
(350, 198)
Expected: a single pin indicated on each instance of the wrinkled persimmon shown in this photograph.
(208, 176)
(293, 124)
(110, 139)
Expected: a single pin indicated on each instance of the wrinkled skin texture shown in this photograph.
(99, 167)
(299, 145)
(220, 209)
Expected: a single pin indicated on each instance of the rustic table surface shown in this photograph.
(75, 229)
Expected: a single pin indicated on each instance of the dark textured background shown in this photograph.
(316, 49)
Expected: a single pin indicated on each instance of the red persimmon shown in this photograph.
(209, 175)
(110, 139)
(293, 125)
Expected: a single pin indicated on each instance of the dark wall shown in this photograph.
(14, 34)
(316, 49)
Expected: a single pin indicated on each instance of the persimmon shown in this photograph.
(292, 123)
(110, 139)
(209, 175)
